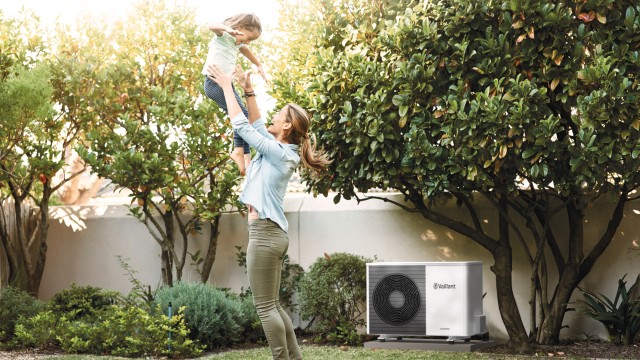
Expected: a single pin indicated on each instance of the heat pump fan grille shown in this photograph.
(396, 299)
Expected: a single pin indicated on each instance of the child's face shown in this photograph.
(247, 36)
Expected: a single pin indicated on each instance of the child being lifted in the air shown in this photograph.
(232, 36)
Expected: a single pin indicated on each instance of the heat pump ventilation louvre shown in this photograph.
(396, 299)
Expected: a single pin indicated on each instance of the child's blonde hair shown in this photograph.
(247, 21)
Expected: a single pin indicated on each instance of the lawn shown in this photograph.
(311, 352)
(347, 353)
(316, 352)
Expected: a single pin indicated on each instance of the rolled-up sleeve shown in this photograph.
(258, 137)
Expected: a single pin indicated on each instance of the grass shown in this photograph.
(313, 352)
(351, 353)
(322, 353)
(348, 353)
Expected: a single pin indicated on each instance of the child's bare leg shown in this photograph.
(238, 156)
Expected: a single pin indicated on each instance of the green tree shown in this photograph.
(32, 149)
(530, 105)
(155, 134)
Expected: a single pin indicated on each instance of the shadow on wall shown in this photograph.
(74, 216)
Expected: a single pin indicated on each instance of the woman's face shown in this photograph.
(246, 37)
(279, 123)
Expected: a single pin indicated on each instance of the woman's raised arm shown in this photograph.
(244, 78)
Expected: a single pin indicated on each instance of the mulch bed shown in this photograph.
(28, 354)
(582, 348)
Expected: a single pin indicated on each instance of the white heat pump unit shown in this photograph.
(425, 299)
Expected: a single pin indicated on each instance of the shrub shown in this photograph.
(131, 332)
(620, 317)
(252, 327)
(214, 319)
(82, 301)
(334, 291)
(15, 304)
(37, 331)
(119, 331)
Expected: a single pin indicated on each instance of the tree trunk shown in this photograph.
(502, 268)
(552, 324)
(42, 231)
(24, 228)
(166, 267)
(8, 255)
(209, 259)
(569, 278)
(168, 250)
(577, 267)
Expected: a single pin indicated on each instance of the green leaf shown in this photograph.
(534, 170)
(630, 17)
(581, 29)
(403, 110)
(528, 153)
(545, 169)
(347, 107)
(399, 100)
(575, 163)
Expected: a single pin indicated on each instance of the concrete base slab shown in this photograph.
(430, 344)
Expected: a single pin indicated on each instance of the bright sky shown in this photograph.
(208, 10)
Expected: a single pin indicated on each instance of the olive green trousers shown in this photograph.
(268, 244)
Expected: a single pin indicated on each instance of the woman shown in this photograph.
(280, 148)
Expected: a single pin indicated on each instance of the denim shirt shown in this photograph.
(269, 172)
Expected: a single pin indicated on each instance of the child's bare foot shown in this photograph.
(238, 156)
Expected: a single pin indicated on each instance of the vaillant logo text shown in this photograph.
(438, 286)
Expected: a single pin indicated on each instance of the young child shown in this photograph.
(232, 36)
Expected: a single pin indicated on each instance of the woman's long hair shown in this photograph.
(245, 21)
(312, 159)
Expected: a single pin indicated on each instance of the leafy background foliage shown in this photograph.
(154, 133)
(441, 96)
(530, 105)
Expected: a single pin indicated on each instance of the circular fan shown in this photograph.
(396, 299)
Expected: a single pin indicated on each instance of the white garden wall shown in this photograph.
(84, 242)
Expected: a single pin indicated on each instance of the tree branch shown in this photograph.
(149, 217)
(403, 207)
(471, 210)
(607, 237)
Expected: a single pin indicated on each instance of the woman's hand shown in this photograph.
(218, 76)
(244, 79)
